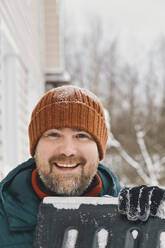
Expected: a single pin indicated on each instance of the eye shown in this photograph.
(82, 136)
(54, 134)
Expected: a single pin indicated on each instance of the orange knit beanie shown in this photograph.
(71, 107)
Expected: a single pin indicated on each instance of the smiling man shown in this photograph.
(68, 137)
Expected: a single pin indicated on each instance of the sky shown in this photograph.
(138, 23)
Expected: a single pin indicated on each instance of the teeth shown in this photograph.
(66, 165)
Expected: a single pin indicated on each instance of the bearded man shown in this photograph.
(68, 136)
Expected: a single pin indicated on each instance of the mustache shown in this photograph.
(67, 160)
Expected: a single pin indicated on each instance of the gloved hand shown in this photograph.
(138, 203)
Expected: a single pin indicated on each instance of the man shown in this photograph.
(68, 136)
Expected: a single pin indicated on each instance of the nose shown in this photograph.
(68, 147)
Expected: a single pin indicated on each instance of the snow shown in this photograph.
(64, 93)
(71, 238)
(72, 234)
(134, 234)
(102, 238)
(161, 210)
(75, 202)
(162, 240)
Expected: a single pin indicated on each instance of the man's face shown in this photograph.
(67, 160)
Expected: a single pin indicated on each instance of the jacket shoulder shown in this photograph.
(111, 185)
(18, 207)
(23, 166)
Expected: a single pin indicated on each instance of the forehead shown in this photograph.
(66, 130)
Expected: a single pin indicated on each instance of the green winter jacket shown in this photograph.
(19, 204)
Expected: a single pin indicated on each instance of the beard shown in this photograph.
(66, 184)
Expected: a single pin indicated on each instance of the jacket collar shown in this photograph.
(93, 190)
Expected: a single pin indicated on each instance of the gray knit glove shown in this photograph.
(138, 203)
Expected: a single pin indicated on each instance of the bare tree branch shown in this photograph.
(116, 144)
(148, 161)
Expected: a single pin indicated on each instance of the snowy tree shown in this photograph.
(130, 95)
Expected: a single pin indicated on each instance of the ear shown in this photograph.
(34, 156)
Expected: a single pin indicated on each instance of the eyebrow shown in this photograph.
(73, 129)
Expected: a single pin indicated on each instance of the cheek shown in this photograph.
(42, 154)
(92, 156)
(44, 150)
(90, 151)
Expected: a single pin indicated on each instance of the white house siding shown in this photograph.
(21, 75)
(22, 109)
(53, 38)
(1, 141)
